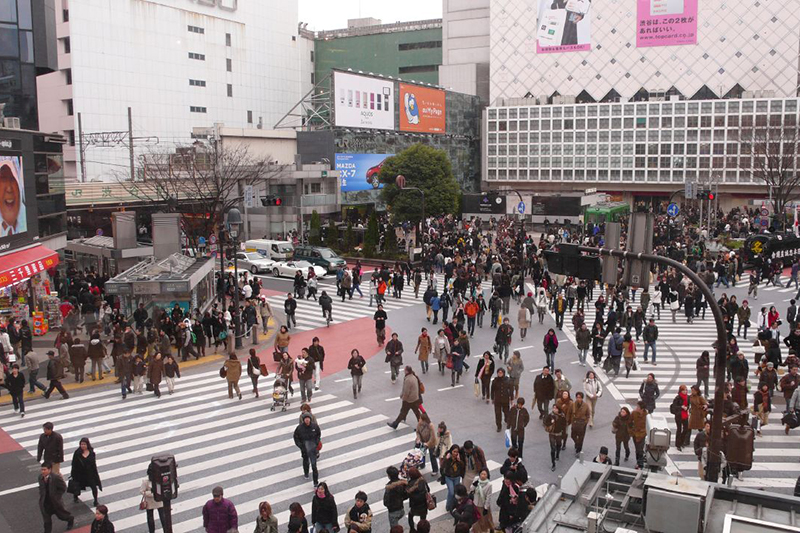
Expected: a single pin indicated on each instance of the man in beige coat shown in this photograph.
(411, 396)
(579, 415)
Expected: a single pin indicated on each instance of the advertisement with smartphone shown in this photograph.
(363, 102)
(564, 26)
(666, 23)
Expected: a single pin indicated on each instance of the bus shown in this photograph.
(764, 246)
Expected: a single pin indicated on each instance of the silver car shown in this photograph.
(252, 261)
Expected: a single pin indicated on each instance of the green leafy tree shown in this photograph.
(349, 238)
(390, 241)
(332, 235)
(315, 232)
(371, 235)
(428, 169)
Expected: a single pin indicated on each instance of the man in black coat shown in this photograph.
(51, 489)
(307, 437)
(54, 375)
(289, 308)
(501, 393)
(544, 389)
(50, 447)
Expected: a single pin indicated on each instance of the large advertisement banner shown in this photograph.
(359, 172)
(564, 26)
(422, 109)
(363, 102)
(13, 214)
(666, 23)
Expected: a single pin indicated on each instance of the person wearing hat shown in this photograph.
(602, 457)
(307, 437)
(219, 514)
(54, 375)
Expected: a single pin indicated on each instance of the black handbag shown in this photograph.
(72, 487)
(149, 387)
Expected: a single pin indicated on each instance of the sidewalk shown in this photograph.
(44, 344)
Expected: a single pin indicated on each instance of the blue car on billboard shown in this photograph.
(359, 172)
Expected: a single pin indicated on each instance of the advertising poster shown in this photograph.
(13, 215)
(359, 172)
(422, 109)
(666, 23)
(363, 102)
(564, 26)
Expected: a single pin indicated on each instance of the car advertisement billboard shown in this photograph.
(564, 26)
(13, 212)
(422, 109)
(359, 172)
(363, 102)
(666, 23)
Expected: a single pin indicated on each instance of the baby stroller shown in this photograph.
(415, 458)
(279, 395)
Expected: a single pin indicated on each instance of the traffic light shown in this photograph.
(711, 195)
(272, 199)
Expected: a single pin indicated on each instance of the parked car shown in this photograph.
(317, 255)
(270, 249)
(252, 261)
(287, 269)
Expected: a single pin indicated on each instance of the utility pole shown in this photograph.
(130, 143)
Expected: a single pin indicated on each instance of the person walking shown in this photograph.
(84, 470)
(357, 366)
(621, 427)
(703, 368)
(544, 389)
(410, 396)
(324, 515)
(517, 420)
(265, 312)
(34, 361)
(394, 494)
(629, 353)
(762, 406)
(680, 410)
(266, 521)
(483, 376)
(523, 322)
(583, 339)
(15, 383)
(423, 349)
(503, 338)
(649, 392)
(219, 513)
(380, 318)
(233, 371)
(515, 368)
(97, 353)
(304, 365)
(638, 431)
(317, 353)
(124, 369)
(307, 437)
(428, 440)
(254, 370)
(101, 522)
(579, 416)
(555, 424)
(55, 373)
(592, 389)
(452, 471)
(441, 349)
(501, 395)
(417, 490)
(456, 362)
(51, 491)
(50, 448)
(139, 370)
(650, 338)
(359, 518)
(482, 495)
(394, 356)
(155, 372)
(550, 345)
(150, 505)
(474, 461)
(698, 408)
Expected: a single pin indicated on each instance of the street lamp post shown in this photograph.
(400, 181)
(234, 223)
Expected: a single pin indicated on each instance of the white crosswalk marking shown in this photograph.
(309, 313)
(678, 347)
(240, 445)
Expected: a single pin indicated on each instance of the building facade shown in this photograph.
(465, 47)
(409, 50)
(178, 64)
(624, 105)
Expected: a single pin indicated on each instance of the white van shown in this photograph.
(274, 250)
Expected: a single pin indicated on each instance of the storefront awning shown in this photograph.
(21, 265)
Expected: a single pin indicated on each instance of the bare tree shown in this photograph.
(201, 182)
(769, 155)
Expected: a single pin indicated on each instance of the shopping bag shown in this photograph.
(578, 6)
(551, 27)
(508, 438)
(477, 387)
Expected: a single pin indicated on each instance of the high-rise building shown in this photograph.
(637, 96)
(465, 47)
(178, 64)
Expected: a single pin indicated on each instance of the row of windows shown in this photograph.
(199, 57)
(677, 162)
(661, 108)
(615, 175)
(639, 149)
(197, 83)
(719, 121)
(760, 135)
(196, 29)
(197, 109)
(402, 47)
(418, 68)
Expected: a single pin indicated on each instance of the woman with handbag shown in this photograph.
(629, 353)
(483, 376)
(254, 369)
(481, 490)
(427, 439)
(149, 504)
(419, 497)
(441, 349)
(233, 371)
(84, 471)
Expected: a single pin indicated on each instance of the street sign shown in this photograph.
(248, 196)
(213, 238)
(765, 222)
(690, 190)
(201, 242)
(764, 212)
(99, 232)
(521, 208)
(400, 181)
(673, 210)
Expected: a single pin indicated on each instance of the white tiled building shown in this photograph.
(179, 64)
(637, 119)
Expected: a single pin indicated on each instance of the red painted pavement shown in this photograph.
(338, 340)
(7, 444)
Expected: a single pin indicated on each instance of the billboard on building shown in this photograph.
(486, 204)
(666, 22)
(13, 212)
(422, 109)
(359, 172)
(564, 26)
(363, 102)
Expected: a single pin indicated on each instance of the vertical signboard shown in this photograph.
(363, 102)
(422, 109)
(666, 23)
(564, 26)
(13, 213)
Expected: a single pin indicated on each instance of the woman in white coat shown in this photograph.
(593, 390)
(541, 303)
(149, 504)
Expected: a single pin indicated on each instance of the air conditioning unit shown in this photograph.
(11, 123)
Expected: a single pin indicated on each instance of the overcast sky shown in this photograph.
(333, 14)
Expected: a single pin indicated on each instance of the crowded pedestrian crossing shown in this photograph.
(777, 456)
(239, 445)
